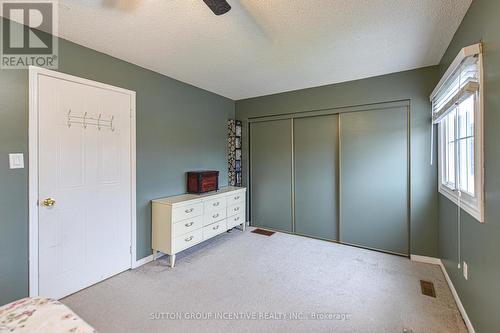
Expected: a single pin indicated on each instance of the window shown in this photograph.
(458, 139)
(457, 109)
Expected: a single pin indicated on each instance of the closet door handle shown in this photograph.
(49, 202)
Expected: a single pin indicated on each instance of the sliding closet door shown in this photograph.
(271, 174)
(374, 179)
(316, 161)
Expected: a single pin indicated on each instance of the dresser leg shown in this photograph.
(172, 260)
(154, 254)
(244, 226)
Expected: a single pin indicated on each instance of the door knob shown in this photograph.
(49, 202)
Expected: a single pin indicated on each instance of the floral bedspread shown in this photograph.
(40, 315)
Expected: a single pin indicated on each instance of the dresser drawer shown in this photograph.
(185, 226)
(236, 209)
(236, 220)
(214, 216)
(183, 242)
(235, 198)
(215, 204)
(187, 211)
(214, 229)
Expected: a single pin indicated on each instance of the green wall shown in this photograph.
(13, 186)
(179, 128)
(480, 243)
(415, 86)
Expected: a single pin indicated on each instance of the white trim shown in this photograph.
(464, 205)
(34, 73)
(465, 52)
(479, 138)
(33, 184)
(460, 306)
(133, 186)
(424, 259)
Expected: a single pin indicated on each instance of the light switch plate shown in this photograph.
(16, 161)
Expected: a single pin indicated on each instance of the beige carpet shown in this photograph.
(244, 282)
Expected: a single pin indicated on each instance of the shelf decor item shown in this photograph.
(202, 181)
(234, 152)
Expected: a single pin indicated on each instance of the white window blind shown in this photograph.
(460, 84)
(457, 108)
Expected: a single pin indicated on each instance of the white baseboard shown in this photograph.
(461, 308)
(437, 261)
(424, 259)
(146, 260)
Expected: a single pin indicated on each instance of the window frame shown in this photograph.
(443, 158)
(473, 205)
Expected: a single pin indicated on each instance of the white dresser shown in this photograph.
(182, 221)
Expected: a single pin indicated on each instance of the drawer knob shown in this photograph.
(189, 224)
(236, 209)
(236, 218)
(215, 204)
(215, 216)
(189, 239)
(216, 227)
(189, 210)
(236, 198)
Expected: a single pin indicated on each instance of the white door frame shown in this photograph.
(34, 74)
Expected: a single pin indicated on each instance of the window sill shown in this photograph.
(475, 212)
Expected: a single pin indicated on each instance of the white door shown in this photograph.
(85, 235)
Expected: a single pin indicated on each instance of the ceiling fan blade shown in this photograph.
(219, 7)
